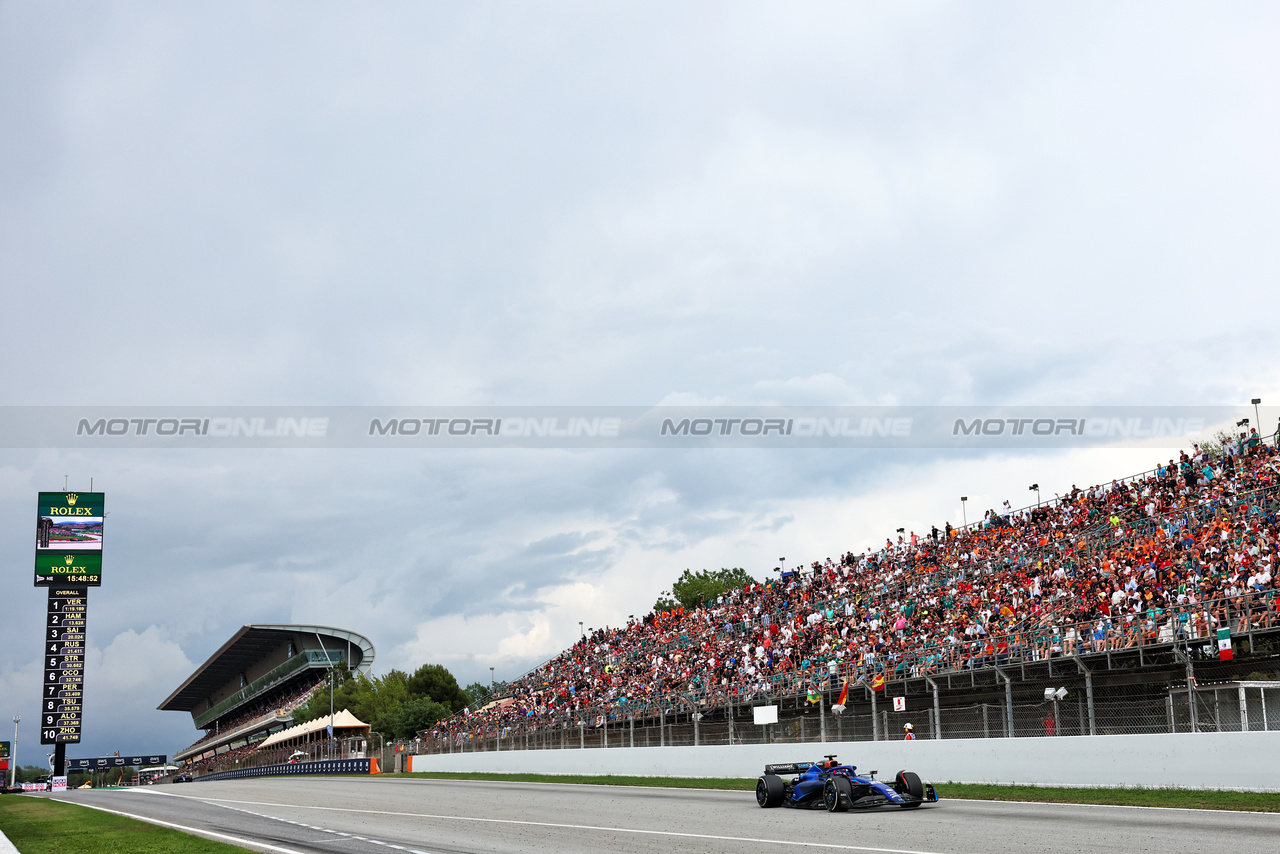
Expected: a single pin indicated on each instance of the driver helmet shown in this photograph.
(908, 727)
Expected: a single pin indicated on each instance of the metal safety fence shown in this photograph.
(1158, 689)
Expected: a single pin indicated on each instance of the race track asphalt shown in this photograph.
(359, 815)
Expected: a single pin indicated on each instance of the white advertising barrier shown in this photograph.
(1229, 760)
(59, 784)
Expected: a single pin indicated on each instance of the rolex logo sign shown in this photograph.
(68, 535)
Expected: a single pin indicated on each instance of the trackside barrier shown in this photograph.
(1224, 760)
(331, 766)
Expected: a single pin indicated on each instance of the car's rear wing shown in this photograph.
(788, 768)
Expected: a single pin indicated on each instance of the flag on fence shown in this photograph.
(877, 684)
(1224, 644)
(814, 697)
(838, 708)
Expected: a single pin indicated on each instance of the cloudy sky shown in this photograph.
(559, 203)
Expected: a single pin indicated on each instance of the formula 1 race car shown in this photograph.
(836, 788)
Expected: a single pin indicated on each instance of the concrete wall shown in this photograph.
(1230, 760)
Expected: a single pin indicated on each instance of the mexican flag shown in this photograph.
(1224, 644)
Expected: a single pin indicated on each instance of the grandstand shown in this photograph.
(247, 691)
(1112, 596)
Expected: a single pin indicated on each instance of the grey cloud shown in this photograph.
(584, 204)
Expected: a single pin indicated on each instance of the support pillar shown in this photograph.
(875, 721)
(1008, 703)
(937, 709)
(1088, 692)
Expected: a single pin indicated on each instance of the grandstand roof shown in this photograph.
(249, 645)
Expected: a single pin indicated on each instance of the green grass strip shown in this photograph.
(1134, 797)
(37, 825)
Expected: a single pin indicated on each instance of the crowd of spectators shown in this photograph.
(1175, 553)
(274, 706)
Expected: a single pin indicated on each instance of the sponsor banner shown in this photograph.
(59, 784)
(327, 766)
(99, 763)
(4, 749)
(619, 427)
(80, 569)
(69, 538)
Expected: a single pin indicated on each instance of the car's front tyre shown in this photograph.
(908, 783)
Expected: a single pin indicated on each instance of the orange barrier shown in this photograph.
(373, 765)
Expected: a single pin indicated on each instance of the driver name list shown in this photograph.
(61, 704)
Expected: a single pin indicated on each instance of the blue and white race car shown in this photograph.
(836, 788)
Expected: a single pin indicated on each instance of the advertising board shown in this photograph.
(69, 538)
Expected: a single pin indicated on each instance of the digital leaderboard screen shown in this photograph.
(62, 702)
(69, 539)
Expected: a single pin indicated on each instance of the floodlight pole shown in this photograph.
(13, 754)
(329, 659)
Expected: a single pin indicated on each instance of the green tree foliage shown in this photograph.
(434, 681)
(478, 694)
(31, 773)
(395, 704)
(693, 589)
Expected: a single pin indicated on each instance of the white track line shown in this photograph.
(248, 843)
(560, 826)
(1112, 806)
(444, 780)
(320, 829)
(686, 789)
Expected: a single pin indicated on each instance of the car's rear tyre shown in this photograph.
(908, 783)
(770, 790)
(838, 794)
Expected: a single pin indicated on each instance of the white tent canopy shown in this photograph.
(342, 720)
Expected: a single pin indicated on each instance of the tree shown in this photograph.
(394, 704)
(479, 694)
(416, 713)
(31, 773)
(436, 682)
(694, 589)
